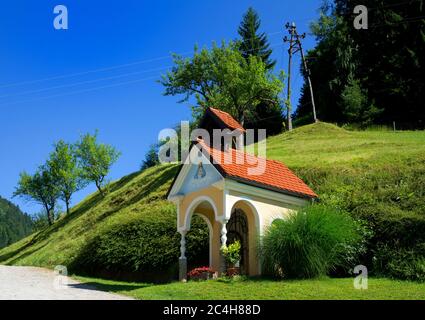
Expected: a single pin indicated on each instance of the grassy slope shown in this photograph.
(324, 145)
(360, 171)
(129, 198)
(364, 172)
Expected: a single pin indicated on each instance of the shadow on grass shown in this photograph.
(37, 238)
(109, 287)
(149, 187)
(23, 255)
(122, 182)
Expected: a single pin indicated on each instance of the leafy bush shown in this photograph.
(232, 252)
(387, 194)
(401, 263)
(142, 248)
(399, 245)
(310, 243)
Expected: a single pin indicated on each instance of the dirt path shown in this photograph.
(29, 283)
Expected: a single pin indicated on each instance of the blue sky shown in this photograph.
(101, 73)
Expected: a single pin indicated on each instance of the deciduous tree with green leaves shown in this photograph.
(42, 187)
(63, 162)
(95, 159)
(151, 157)
(222, 78)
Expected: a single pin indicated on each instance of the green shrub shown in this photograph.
(142, 248)
(407, 229)
(399, 262)
(310, 243)
(232, 252)
(386, 193)
(399, 245)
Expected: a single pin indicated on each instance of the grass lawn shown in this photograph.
(255, 289)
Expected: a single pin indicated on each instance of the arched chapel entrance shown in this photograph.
(237, 230)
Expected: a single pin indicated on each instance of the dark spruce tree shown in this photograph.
(252, 41)
(255, 43)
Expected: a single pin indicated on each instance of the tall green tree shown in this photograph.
(355, 106)
(42, 187)
(222, 78)
(68, 175)
(151, 157)
(386, 61)
(95, 159)
(253, 42)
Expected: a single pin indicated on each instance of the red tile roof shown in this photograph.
(276, 176)
(227, 119)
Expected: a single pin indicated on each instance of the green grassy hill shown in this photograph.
(129, 234)
(376, 175)
(358, 169)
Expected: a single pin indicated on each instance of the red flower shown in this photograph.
(199, 271)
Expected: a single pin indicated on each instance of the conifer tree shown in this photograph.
(252, 41)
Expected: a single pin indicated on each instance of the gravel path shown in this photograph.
(29, 283)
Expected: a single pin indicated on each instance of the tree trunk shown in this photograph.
(67, 206)
(49, 218)
(100, 189)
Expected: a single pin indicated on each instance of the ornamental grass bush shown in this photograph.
(309, 243)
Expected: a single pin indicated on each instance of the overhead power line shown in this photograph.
(81, 91)
(108, 68)
(83, 82)
(94, 88)
(70, 75)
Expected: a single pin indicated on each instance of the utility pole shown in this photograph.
(294, 47)
(291, 29)
(307, 72)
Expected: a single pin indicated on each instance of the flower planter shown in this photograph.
(201, 276)
(233, 271)
(203, 273)
(232, 256)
